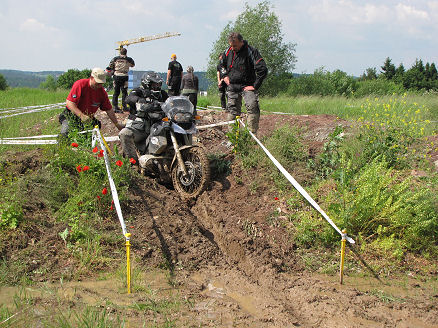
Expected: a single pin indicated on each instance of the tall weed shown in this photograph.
(380, 202)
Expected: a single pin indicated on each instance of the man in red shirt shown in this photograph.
(85, 98)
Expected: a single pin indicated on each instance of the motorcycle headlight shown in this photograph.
(183, 117)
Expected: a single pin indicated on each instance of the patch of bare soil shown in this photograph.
(235, 265)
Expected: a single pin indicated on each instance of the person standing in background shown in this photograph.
(221, 84)
(244, 71)
(190, 86)
(174, 76)
(119, 68)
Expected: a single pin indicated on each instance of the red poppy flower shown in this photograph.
(276, 198)
(98, 197)
(101, 151)
(119, 163)
(133, 161)
(85, 168)
(95, 149)
(100, 155)
(79, 168)
(104, 191)
(74, 144)
(111, 208)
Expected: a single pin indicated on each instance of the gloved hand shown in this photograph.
(86, 118)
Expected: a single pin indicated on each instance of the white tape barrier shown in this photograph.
(25, 141)
(29, 107)
(219, 109)
(39, 109)
(98, 137)
(28, 142)
(300, 189)
(201, 127)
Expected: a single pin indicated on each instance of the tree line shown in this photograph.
(261, 27)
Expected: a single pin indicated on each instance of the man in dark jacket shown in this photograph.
(142, 101)
(174, 76)
(221, 84)
(244, 71)
(119, 67)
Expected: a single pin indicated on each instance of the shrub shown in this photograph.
(377, 87)
(392, 129)
(11, 214)
(381, 203)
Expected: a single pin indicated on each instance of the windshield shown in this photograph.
(177, 104)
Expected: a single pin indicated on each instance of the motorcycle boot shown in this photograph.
(253, 122)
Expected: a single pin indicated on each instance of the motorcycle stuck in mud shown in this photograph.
(170, 153)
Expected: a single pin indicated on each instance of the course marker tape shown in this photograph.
(28, 142)
(201, 127)
(33, 111)
(30, 107)
(96, 137)
(298, 187)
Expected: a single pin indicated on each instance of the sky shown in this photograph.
(349, 35)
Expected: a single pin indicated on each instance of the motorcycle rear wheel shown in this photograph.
(198, 173)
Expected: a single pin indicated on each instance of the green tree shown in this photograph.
(261, 27)
(415, 77)
(369, 74)
(399, 74)
(388, 69)
(49, 84)
(67, 79)
(3, 83)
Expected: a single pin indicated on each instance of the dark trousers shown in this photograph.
(70, 121)
(223, 95)
(120, 83)
(193, 97)
(173, 91)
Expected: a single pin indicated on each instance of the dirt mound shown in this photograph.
(230, 253)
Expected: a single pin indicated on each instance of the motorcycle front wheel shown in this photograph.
(198, 173)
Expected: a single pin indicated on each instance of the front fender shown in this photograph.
(181, 149)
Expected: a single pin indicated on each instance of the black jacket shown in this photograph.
(144, 95)
(244, 67)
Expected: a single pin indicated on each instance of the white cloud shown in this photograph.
(34, 26)
(409, 13)
(346, 12)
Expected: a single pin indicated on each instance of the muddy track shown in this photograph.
(227, 253)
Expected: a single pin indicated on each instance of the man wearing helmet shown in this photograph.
(142, 101)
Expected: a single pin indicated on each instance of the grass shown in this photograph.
(342, 107)
(19, 97)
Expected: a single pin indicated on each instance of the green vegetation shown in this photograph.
(363, 182)
(18, 97)
(3, 83)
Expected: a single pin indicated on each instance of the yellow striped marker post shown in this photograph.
(128, 261)
(341, 271)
